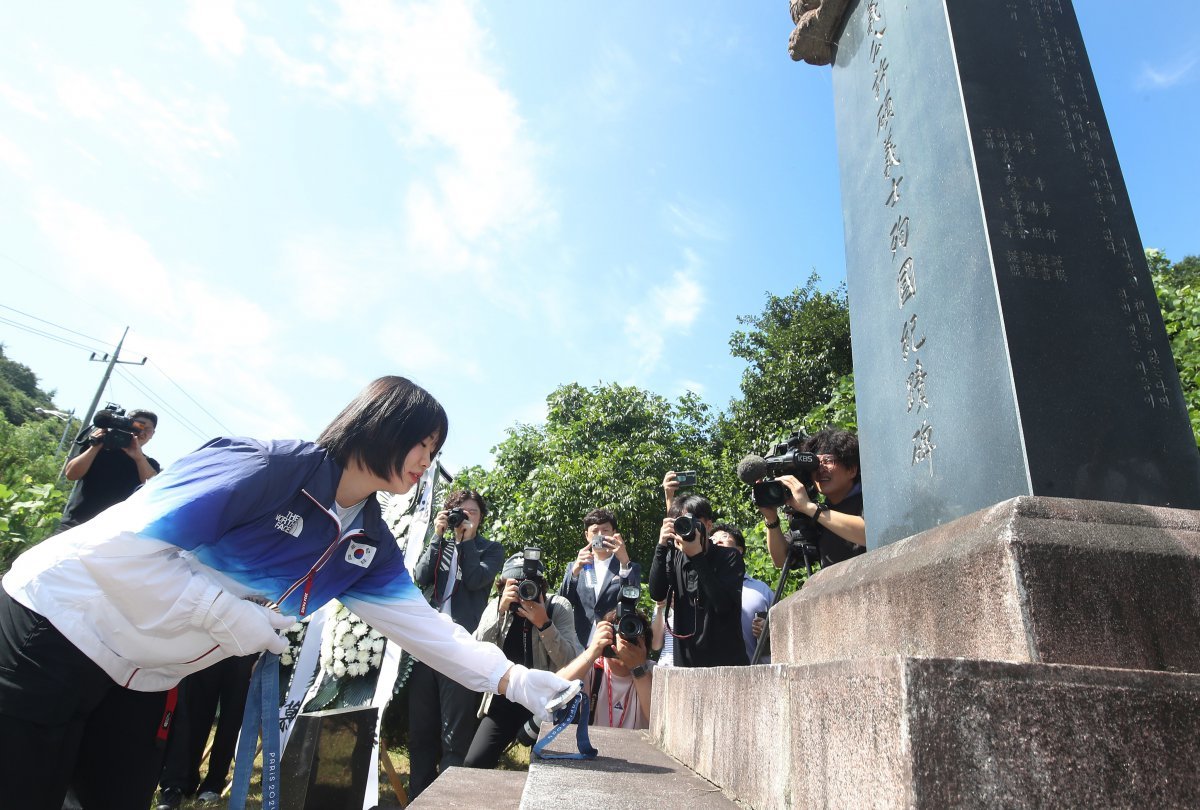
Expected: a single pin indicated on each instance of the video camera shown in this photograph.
(787, 458)
(629, 625)
(119, 429)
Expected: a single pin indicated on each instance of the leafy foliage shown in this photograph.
(607, 446)
(1178, 290)
(31, 495)
(19, 392)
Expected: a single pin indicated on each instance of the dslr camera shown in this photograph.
(119, 429)
(529, 586)
(629, 625)
(456, 517)
(786, 458)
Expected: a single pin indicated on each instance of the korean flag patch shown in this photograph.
(360, 554)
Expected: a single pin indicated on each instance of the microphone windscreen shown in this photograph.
(751, 469)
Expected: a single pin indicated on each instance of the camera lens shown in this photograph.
(685, 526)
(455, 518)
(528, 590)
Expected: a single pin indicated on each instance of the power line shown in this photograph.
(55, 325)
(73, 344)
(193, 400)
(160, 402)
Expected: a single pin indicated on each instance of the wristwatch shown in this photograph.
(545, 626)
(821, 507)
(642, 669)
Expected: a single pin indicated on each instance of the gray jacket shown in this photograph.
(553, 648)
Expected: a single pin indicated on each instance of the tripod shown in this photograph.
(802, 546)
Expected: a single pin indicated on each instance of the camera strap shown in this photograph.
(262, 711)
(578, 707)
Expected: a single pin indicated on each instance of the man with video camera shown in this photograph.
(616, 668)
(112, 466)
(702, 584)
(533, 628)
(593, 582)
(838, 516)
(455, 572)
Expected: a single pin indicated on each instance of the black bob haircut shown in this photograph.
(388, 418)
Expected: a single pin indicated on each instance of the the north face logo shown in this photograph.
(291, 523)
(359, 554)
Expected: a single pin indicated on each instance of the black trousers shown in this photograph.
(497, 730)
(441, 725)
(224, 684)
(65, 723)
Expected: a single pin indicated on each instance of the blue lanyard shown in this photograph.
(580, 706)
(262, 710)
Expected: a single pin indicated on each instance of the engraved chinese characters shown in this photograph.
(903, 261)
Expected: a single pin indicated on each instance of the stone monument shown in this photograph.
(1007, 340)
(1023, 631)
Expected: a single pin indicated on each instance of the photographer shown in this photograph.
(843, 534)
(455, 572)
(702, 584)
(616, 672)
(756, 594)
(538, 633)
(593, 582)
(107, 471)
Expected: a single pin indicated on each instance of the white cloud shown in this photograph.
(669, 310)
(1165, 76)
(96, 251)
(218, 27)
(21, 102)
(425, 66)
(687, 221)
(15, 158)
(174, 133)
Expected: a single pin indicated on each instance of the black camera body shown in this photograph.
(455, 518)
(119, 429)
(629, 625)
(787, 458)
(529, 586)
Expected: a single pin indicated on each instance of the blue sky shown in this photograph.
(284, 201)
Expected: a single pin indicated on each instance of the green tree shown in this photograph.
(1177, 287)
(32, 496)
(19, 392)
(603, 446)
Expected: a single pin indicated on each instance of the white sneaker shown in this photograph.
(208, 797)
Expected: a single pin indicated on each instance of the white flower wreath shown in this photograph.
(350, 646)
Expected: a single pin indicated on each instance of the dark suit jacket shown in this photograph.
(587, 606)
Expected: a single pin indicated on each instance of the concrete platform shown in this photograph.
(471, 789)
(629, 774)
(1037, 580)
(904, 732)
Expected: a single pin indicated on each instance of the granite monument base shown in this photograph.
(1038, 580)
(902, 732)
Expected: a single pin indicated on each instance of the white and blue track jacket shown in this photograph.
(131, 587)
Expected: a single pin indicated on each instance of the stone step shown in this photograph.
(903, 732)
(471, 789)
(630, 773)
